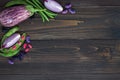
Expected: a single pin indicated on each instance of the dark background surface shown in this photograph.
(83, 46)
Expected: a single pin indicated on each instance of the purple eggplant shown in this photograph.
(14, 15)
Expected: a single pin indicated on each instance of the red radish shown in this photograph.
(27, 50)
(14, 47)
(19, 43)
(22, 37)
(30, 46)
(25, 45)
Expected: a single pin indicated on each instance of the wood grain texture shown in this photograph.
(83, 46)
(66, 59)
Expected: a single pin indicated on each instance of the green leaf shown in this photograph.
(16, 2)
(10, 54)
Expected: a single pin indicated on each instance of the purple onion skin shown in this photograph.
(14, 15)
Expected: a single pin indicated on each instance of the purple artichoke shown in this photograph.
(14, 15)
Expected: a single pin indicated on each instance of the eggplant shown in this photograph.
(14, 15)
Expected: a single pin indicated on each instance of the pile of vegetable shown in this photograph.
(19, 10)
(14, 44)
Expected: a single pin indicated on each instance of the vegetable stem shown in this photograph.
(42, 13)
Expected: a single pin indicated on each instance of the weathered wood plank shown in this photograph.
(73, 49)
(84, 46)
(46, 76)
(86, 28)
(76, 51)
(101, 19)
(83, 2)
(67, 59)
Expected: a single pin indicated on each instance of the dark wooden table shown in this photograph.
(84, 46)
